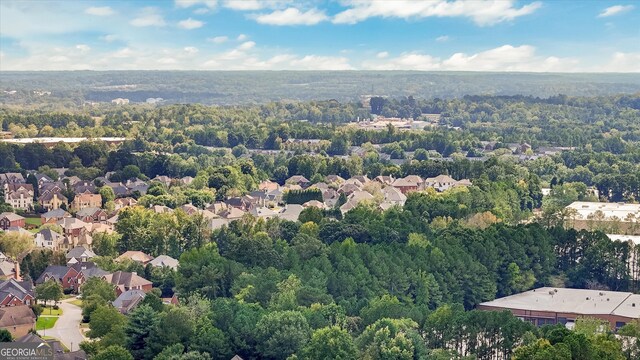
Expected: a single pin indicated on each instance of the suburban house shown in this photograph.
(14, 293)
(92, 215)
(86, 200)
(124, 281)
(128, 300)
(11, 178)
(384, 180)
(163, 179)
(550, 306)
(189, 209)
(19, 196)
(268, 186)
(165, 261)
(441, 182)
(354, 199)
(42, 180)
(298, 180)
(8, 220)
(79, 254)
(83, 187)
(9, 269)
(52, 200)
(53, 216)
(121, 203)
(76, 233)
(48, 239)
(406, 185)
(392, 197)
(70, 277)
(334, 180)
(137, 256)
(18, 320)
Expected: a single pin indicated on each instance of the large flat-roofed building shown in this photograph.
(619, 218)
(550, 305)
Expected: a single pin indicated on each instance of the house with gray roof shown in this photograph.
(79, 254)
(165, 261)
(48, 239)
(128, 300)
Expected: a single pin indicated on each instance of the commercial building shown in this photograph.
(548, 306)
(615, 218)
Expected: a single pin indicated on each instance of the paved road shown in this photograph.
(67, 328)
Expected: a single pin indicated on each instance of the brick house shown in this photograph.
(15, 293)
(53, 216)
(124, 281)
(70, 277)
(92, 215)
(405, 185)
(8, 220)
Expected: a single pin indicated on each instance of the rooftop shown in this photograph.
(609, 210)
(573, 301)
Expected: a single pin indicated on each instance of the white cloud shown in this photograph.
(508, 58)
(123, 53)
(406, 61)
(315, 62)
(242, 37)
(623, 62)
(382, 55)
(148, 17)
(83, 48)
(189, 3)
(247, 45)
(244, 5)
(99, 11)
(201, 11)
(503, 58)
(615, 10)
(109, 38)
(483, 13)
(191, 50)
(252, 5)
(443, 38)
(292, 16)
(218, 39)
(190, 24)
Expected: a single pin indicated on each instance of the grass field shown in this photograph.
(35, 221)
(76, 302)
(46, 322)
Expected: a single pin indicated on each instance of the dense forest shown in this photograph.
(400, 283)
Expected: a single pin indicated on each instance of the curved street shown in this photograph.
(67, 328)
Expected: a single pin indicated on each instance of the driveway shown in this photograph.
(67, 328)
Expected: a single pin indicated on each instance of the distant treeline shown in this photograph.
(246, 87)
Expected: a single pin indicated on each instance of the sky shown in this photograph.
(430, 35)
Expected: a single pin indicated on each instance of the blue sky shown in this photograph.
(478, 35)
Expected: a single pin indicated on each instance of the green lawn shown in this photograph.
(35, 221)
(46, 322)
(76, 302)
(49, 310)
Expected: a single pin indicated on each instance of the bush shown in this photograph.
(56, 307)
